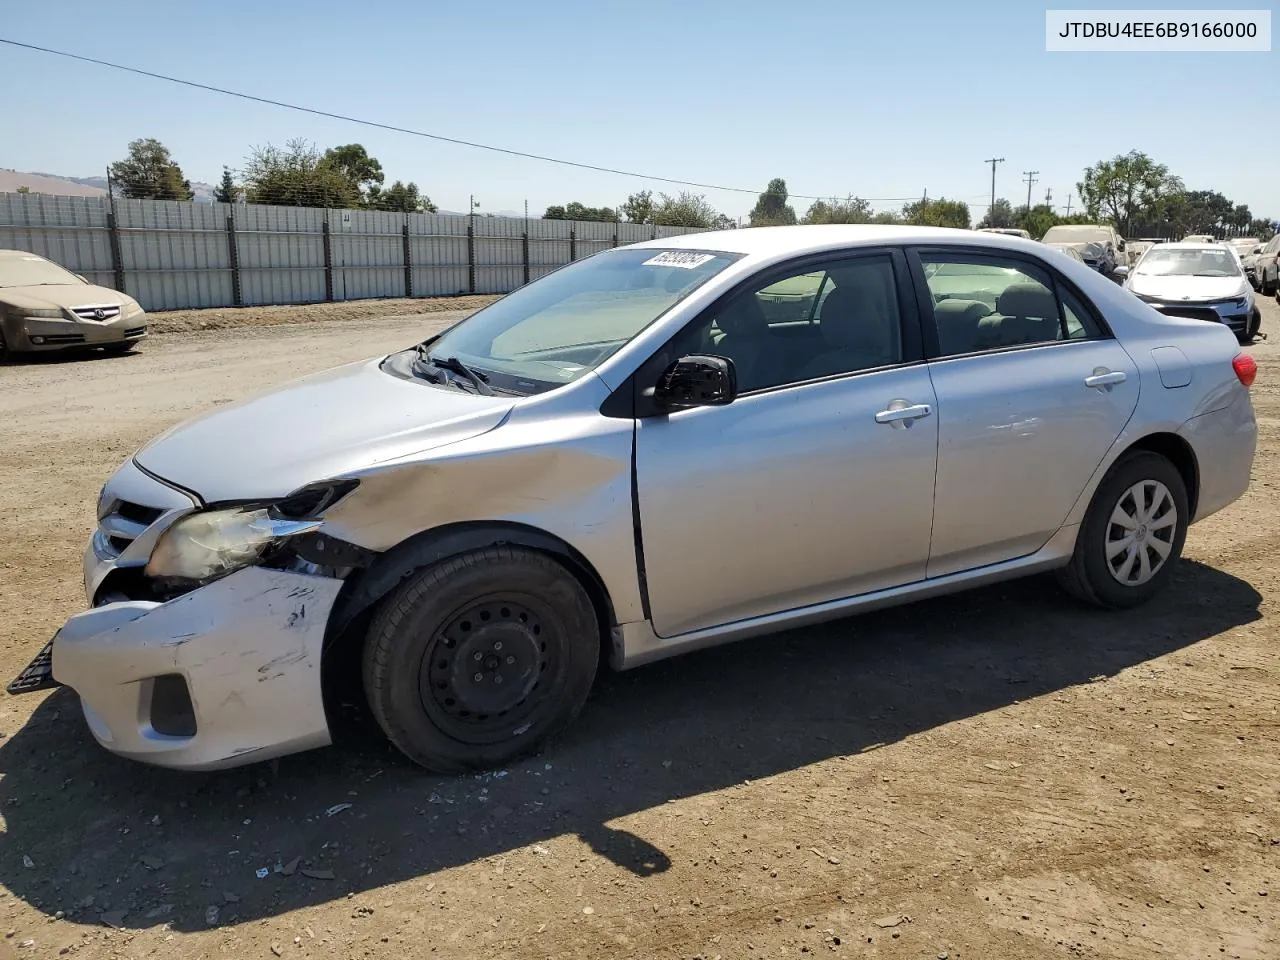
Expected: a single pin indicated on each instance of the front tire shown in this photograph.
(481, 658)
(1132, 534)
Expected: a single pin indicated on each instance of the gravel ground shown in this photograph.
(997, 775)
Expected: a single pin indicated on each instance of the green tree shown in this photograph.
(576, 211)
(226, 191)
(886, 217)
(999, 214)
(937, 213)
(1127, 188)
(772, 209)
(399, 197)
(149, 173)
(353, 160)
(688, 210)
(24, 189)
(639, 207)
(297, 175)
(1262, 228)
(849, 210)
(1038, 220)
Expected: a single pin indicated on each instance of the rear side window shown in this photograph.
(983, 303)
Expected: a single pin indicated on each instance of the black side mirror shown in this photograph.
(697, 381)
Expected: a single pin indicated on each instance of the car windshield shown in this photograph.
(1076, 234)
(560, 327)
(1189, 263)
(33, 271)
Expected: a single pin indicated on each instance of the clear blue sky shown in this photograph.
(877, 99)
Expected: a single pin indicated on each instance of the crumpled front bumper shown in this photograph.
(247, 648)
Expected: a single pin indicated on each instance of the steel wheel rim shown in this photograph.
(1140, 533)
(489, 668)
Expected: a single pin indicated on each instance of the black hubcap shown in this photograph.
(484, 668)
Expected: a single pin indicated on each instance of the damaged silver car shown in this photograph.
(650, 451)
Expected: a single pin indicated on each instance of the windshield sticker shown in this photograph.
(678, 258)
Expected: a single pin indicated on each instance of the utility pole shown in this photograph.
(1068, 204)
(1031, 178)
(993, 161)
(1048, 198)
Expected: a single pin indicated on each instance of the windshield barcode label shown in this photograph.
(677, 258)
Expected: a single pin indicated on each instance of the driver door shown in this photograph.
(816, 483)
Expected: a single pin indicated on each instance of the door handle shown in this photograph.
(1103, 378)
(904, 414)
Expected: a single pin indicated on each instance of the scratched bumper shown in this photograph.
(248, 649)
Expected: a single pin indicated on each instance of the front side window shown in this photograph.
(840, 318)
(992, 303)
(558, 328)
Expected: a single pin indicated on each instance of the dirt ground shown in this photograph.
(997, 775)
(226, 318)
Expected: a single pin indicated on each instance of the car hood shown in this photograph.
(1190, 289)
(41, 297)
(320, 426)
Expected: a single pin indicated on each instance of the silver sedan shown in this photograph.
(653, 450)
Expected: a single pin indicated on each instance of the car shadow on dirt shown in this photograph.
(106, 840)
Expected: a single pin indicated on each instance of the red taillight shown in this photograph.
(1246, 368)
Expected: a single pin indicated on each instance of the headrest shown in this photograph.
(954, 309)
(743, 317)
(1028, 299)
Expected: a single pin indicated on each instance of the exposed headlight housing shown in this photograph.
(213, 543)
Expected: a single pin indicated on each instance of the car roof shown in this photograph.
(770, 242)
(18, 254)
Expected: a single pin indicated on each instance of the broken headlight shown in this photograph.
(212, 543)
(206, 545)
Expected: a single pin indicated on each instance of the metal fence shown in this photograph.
(171, 254)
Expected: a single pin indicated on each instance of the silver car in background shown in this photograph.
(644, 453)
(1203, 281)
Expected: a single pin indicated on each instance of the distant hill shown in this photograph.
(54, 185)
(11, 180)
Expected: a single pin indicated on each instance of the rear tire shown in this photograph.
(5, 355)
(1132, 534)
(481, 658)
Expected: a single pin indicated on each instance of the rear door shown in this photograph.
(1032, 391)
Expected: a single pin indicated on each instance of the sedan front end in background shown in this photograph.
(46, 308)
(1198, 281)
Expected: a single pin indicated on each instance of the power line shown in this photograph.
(415, 133)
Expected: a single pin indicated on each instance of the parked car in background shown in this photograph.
(1107, 253)
(1249, 261)
(1199, 238)
(1009, 231)
(1242, 245)
(1197, 280)
(627, 459)
(1266, 268)
(44, 307)
(1070, 250)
